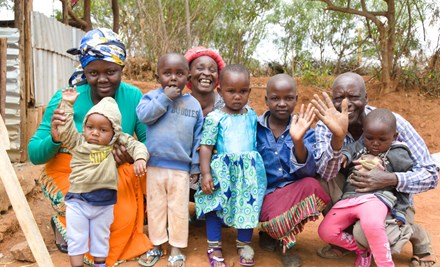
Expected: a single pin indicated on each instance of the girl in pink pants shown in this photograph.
(371, 212)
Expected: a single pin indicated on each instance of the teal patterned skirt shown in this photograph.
(240, 183)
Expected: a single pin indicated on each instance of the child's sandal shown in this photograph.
(155, 253)
(178, 258)
(246, 254)
(214, 260)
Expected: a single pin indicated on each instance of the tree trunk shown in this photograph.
(75, 21)
(115, 10)
(386, 64)
(387, 41)
(387, 38)
(65, 14)
(87, 19)
(164, 45)
(188, 25)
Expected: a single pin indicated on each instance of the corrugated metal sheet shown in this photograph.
(52, 65)
(12, 110)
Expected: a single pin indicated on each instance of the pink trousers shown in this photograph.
(371, 213)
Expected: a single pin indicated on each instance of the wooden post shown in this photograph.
(27, 91)
(20, 204)
(3, 69)
(23, 15)
(28, 55)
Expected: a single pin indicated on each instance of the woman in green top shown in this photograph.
(102, 56)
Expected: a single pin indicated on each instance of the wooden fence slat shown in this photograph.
(3, 69)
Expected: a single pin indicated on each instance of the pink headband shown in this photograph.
(200, 51)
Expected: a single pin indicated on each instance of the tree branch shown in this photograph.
(349, 10)
(115, 11)
(82, 23)
(422, 17)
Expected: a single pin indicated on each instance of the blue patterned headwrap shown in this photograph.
(98, 44)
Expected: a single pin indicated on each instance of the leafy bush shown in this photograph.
(430, 78)
(426, 79)
(409, 77)
(137, 68)
(319, 77)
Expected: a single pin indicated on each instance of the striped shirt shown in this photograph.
(423, 177)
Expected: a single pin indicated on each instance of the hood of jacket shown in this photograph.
(108, 108)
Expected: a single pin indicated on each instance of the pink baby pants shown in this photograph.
(371, 213)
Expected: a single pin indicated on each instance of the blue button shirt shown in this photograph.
(279, 159)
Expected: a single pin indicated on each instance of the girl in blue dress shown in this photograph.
(233, 176)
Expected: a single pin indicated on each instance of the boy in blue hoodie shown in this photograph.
(174, 125)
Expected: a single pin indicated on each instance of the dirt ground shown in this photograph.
(421, 111)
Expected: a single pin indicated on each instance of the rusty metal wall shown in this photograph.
(52, 65)
(12, 111)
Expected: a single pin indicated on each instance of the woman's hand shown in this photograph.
(301, 122)
(207, 184)
(140, 167)
(58, 119)
(121, 155)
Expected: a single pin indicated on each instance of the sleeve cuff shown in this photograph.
(54, 144)
(164, 99)
(337, 153)
(400, 176)
(295, 162)
(195, 169)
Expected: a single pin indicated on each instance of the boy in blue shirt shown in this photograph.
(174, 124)
(286, 144)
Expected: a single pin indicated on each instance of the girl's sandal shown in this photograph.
(178, 258)
(156, 254)
(246, 254)
(213, 260)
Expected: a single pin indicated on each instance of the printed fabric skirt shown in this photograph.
(286, 210)
(240, 183)
(127, 239)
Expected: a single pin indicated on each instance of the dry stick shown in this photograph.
(20, 204)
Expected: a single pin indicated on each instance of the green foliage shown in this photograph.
(409, 77)
(233, 27)
(318, 77)
(427, 79)
(430, 83)
(296, 18)
(430, 77)
(314, 42)
(239, 27)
